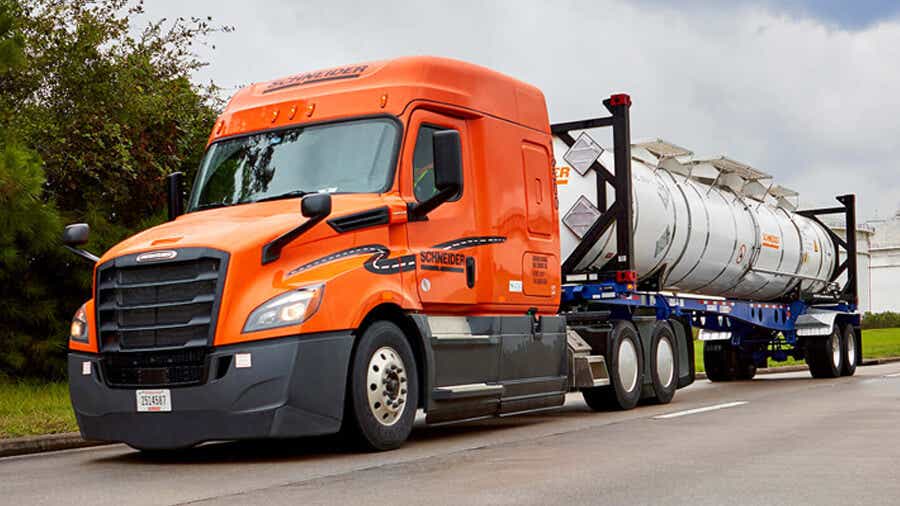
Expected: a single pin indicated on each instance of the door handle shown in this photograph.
(470, 272)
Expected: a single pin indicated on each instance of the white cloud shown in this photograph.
(815, 106)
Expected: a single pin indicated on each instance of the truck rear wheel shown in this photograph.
(625, 363)
(824, 355)
(663, 364)
(850, 351)
(383, 388)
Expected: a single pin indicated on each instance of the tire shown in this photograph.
(824, 355)
(663, 364)
(383, 367)
(746, 369)
(849, 350)
(724, 362)
(625, 363)
(717, 359)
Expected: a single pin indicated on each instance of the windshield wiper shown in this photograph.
(209, 205)
(286, 195)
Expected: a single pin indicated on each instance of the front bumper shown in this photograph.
(294, 387)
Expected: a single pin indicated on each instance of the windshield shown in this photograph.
(347, 157)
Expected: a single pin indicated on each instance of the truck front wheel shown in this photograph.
(383, 388)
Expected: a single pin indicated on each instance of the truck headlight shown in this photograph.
(291, 308)
(78, 331)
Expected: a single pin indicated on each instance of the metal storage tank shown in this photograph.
(706, 226)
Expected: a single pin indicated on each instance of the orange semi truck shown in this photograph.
(359, 243)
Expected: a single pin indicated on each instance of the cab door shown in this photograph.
(446, 257)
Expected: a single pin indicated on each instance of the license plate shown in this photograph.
(154, 401)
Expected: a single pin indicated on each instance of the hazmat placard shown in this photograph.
(583, 153)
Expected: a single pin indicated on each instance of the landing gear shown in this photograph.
(625, 363)
(724, 362)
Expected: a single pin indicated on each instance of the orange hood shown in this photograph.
(236, 228)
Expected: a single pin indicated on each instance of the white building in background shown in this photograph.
(884, 268)
(878, 263)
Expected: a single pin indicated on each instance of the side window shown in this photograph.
(423, 164)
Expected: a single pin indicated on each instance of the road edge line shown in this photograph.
(44, 443)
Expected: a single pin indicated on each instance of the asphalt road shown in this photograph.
(780, 439)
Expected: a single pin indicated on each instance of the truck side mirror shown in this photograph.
(447, 162)
(315, 205)
(76, 235)
(175, 190)
(447, 173)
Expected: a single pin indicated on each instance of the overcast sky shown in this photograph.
(804, 90)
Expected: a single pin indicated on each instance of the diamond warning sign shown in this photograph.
(583, 153)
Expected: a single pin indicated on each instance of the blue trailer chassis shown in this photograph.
(767, 327)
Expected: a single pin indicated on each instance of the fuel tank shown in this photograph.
(709, 226)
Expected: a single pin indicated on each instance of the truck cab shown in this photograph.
(359, 242)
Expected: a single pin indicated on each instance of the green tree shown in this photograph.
(28, 229)
(95, 113)
(884, 320)
(111, 113)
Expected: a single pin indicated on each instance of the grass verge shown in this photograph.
(876, 343)
(29, 408)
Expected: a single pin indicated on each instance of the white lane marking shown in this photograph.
(700, 410)
(895, 375)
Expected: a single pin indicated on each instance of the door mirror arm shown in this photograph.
(315, 207)
(76, 235)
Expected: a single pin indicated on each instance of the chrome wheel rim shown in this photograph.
(627, 366)
(851, 349)
(665, 362)
(835, 350)
(386, 385)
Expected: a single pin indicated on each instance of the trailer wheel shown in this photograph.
(383, 388)
(717, 359)
(746, 369)
(824, 355)
(663, 364)
(850, 351)
(724, 361)
(625, 363)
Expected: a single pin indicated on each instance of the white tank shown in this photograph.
(711, 227)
